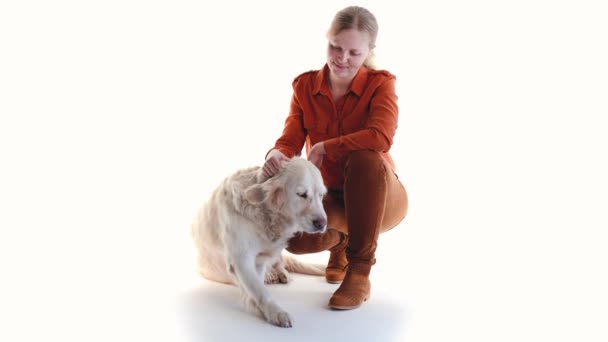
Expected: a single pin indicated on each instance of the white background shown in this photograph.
(118, 118)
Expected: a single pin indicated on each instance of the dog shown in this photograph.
(243, 228)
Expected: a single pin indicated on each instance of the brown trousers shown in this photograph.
(373, 201)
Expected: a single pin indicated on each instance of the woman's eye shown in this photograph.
(304, 195)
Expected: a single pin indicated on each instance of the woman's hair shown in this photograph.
(359, 18)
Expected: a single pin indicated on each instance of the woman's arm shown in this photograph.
(291, 141)
(293, 138)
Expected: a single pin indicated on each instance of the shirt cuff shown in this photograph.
(286, 152)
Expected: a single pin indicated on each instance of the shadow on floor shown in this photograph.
(213, 312)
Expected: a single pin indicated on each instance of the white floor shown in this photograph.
(211, 312)
(425, 288)
(435, 280)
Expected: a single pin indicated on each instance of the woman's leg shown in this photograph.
(375, 201)
(335, 239)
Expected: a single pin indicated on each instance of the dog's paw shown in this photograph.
(284, 277)
(276, 275)
(280, 319)
(271, 277)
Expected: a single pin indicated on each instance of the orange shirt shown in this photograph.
(363, 119)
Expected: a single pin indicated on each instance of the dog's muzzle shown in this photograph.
(319, 224)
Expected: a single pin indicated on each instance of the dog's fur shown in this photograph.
(241, 231)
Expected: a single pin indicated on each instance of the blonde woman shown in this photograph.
(346, 114)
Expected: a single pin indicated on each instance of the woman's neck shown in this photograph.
(338, 85)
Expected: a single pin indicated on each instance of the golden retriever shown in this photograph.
(241, 231)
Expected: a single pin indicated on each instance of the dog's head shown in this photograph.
(296, 191)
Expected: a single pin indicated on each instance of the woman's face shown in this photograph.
(346, 53)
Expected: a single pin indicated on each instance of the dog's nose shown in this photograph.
(319, 223)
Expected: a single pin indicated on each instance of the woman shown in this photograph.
(346, 113)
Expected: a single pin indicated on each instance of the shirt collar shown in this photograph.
(356, 86)
(359, 81)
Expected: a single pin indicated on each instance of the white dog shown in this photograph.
(241, 231)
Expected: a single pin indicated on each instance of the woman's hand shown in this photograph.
(316, 154)
(274, 159)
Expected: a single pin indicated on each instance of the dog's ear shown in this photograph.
(255, 194)
(270, 191)
(276, 195)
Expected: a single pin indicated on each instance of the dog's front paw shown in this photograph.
(280, 319)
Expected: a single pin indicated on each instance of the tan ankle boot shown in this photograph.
(354, 290)
(337, 264)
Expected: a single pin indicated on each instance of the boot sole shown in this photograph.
(342, 307)
(337, 277)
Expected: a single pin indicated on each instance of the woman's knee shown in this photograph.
(365, 162)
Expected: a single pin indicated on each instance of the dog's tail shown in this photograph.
(294, 265)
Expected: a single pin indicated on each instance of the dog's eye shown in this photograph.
(303, 195)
